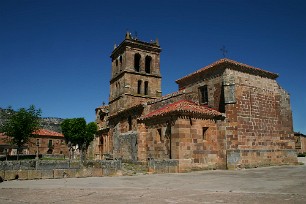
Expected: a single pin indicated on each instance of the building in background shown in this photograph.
(300, 142)
(46, 142)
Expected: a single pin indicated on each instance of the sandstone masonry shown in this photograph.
(225, 115)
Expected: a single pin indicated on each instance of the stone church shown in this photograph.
(223, 116)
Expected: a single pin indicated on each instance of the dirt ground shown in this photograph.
(284, 184)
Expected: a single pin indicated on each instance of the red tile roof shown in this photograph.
(40, 132)
(233, 65)
(3, 139)
(183, 106)
(44, 132)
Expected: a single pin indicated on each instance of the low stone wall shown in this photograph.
(179, 166)
(163, 166)
(257, 158)
(33, 169)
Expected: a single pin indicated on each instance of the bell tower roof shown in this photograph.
(134, 42)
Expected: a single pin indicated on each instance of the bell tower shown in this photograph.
(135, 75)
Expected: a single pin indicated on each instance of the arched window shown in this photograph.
(146, 88)
(116, 63)
(139, 87)
(148, 64)
(137, 62)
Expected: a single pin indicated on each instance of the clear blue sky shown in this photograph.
(55, 53)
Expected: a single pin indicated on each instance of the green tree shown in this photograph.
(20, 125)
(77, 132)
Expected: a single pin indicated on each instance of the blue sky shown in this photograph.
(55, 53)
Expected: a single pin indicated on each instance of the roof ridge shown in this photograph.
(176, 93)
(184, 106)
(226, 60)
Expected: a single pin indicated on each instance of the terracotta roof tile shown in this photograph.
(40, 132)
(182, 106)
(44, 132)
(237, 65)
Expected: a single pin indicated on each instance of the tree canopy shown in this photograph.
(20, 125)
(77, 132)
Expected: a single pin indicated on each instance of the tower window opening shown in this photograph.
(137, 62)
(146, 88)
(130, 122)
(148, 64)
(139, 87)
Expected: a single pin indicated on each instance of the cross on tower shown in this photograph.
(223, 50)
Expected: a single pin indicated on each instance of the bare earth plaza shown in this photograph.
(281, 184)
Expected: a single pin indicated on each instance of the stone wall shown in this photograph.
(256, 158)
(33, 169)
(163, 166)
(125, 146)
(261, 114)
(199, 141)
(157, 141)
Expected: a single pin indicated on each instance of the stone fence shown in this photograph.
(39, 169)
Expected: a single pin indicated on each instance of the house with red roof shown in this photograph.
(223, 116)
(44, 141)
(300, 142)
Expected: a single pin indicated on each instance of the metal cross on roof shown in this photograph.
(224, 51)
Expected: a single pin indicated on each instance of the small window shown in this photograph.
(139, 87)
(204, 133)
(148, 64)
(50, 144)
(137, 62)
(120, 60)
(116, 63)
(159, 135)
(146, 88)
(203, 92)
(130, 122)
